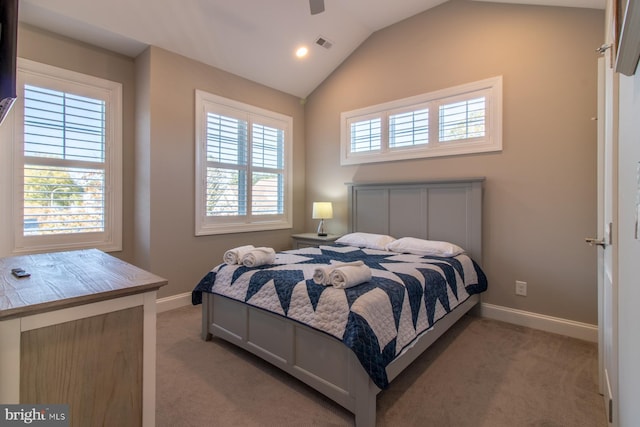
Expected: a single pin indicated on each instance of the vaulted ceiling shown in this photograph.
(254, 39)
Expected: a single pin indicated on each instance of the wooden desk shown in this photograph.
(81, 330)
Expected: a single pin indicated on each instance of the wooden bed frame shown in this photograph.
(438, 210)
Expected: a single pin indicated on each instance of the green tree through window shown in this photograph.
(44, 187)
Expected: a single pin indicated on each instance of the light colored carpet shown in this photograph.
(481, 373)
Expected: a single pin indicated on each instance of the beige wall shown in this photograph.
(165, 188)
(540, 191)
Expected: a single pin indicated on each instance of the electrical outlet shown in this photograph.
(521, 288)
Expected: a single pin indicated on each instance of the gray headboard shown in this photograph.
(448, 210)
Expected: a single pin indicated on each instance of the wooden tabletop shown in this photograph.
(65, 279)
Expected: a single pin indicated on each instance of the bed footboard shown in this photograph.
(313, 357)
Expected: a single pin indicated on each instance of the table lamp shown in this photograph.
(322, 211)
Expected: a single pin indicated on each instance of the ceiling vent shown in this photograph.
(322, 41)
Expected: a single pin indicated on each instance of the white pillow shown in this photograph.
(416, 246)
(366, 240)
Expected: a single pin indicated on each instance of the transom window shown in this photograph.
(460, 120)
(243, 167)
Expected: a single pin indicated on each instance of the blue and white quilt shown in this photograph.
(378, 319)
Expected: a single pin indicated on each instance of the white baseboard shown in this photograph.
(173, 301)
(556, 325)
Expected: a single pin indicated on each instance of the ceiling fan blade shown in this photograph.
(316, 6)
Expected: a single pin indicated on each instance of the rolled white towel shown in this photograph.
(259, 256)
(322, 272)
(235, 255)
(350, 275)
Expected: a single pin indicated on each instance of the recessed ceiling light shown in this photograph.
(302, 52)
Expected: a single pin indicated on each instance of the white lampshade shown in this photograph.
(322, 210)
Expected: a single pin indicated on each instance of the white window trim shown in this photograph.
(206, 225)
(71, 81)
(491, 88)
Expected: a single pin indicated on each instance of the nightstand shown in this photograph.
(305, 240)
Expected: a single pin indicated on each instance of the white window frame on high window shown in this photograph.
(110, 166)
(244, 220)
(422, 125)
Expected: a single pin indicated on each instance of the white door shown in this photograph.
(606, 241)
(609, 301)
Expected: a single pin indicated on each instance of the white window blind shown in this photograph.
(69, 164)
(242, 154)
(366, 135)
(464, 119)
(409, 129)
(63, 134)
(227, 155)
(268, 170)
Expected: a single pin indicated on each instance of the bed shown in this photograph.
(348, 357)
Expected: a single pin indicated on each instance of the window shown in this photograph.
(460, 120)
(242, 167)
(68, 166)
